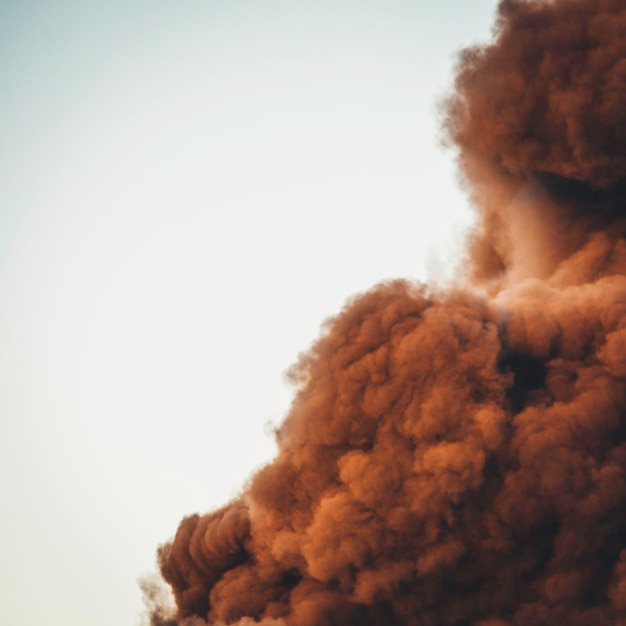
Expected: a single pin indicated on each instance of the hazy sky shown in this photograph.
(188, 189)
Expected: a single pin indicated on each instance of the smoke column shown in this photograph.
(459, 457)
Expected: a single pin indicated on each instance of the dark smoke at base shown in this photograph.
(459, 457)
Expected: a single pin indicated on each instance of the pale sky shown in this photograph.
(187, 190)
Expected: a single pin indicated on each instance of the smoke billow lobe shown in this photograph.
(540, 112)
(458, 458)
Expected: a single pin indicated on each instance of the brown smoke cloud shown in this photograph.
(459, 457)
(540, 122)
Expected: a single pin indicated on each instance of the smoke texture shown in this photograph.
(459, 457)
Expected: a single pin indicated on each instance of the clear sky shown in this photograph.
(187, 190)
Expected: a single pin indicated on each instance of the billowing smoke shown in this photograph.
(459, 457)
(540, 122)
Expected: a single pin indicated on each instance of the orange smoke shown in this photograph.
(453, 458)
(540, 122)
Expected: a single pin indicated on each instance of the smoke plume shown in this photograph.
(459, 457)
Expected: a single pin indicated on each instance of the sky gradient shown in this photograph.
(188, 190)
